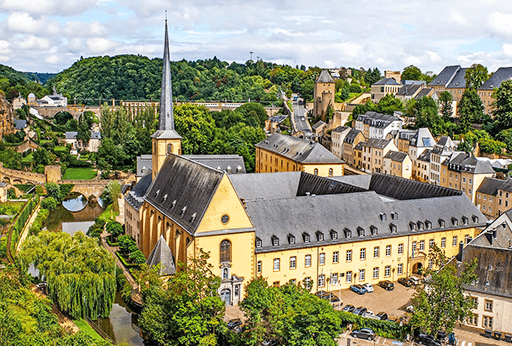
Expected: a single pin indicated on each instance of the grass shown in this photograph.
(44, 141)
(108, 215)
(84, 157)
(79, 174)
(87, 329)
(28, 158)
(60, 148)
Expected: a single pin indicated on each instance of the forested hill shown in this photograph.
(135, 77)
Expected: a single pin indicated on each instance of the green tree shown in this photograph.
(445, 105)
(443, 302)
(411, 72)
(390, 104)
(115, 229)
(491, 146)
(475, 76)
(53, 191)
(471, 109)
(289, 314)
(503, 106)
(49, 203)
(80, 273)
(188, 311)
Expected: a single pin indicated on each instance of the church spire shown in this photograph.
(166, 119)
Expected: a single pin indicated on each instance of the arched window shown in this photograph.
(315, 172)
(169, 148)
(225, 251)
(330, 172)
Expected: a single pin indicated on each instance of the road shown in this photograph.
(300, 119)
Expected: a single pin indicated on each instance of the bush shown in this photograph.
(38, 222)
(137, 257)
(96, 229)
(49, 203)
(11, 194)
(115, 229)
(385, 329)
(126, 244)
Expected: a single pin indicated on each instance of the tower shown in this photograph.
(165, 140)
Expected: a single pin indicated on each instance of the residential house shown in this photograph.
(370, 154)
(337, 137)
(494, 196)
(377, 125)
(451, 79)
(486, 90)
(352, 138)
(421, 170)
(383, 87)
(398, 163)
(443, 148)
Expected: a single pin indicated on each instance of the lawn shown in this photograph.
(79, 174)
(87, 329)
(28, 158)
(60, 148)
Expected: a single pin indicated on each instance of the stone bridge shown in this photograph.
(75, 111)
(87, 188)
(13, 176)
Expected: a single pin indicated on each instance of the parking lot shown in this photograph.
(391, 302)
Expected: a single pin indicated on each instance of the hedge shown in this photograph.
(126, 264)
(385, 329)
(21, 219)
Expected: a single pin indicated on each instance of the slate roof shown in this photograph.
(162, 255)
(183, 189)
(377, 119)
(297, 149)
(459, 80)
(359, 180)
(490, 186)
(397, 156)
(20, 124)
(387, 81)
(351, 136)
(407, 134)
(325, 77)
(266, 185)
(144, 164)
(373, 143)
(463, 162)
(95, 135)
(278, 118)
(423, 92)
(70, 134)
(425, 155)
(341, 129)
(423, 139)
(501, 74)
(231, 164)
(445, 76)
(409, 90)
(136, 196)
(317, 125)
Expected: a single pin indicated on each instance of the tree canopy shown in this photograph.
(475, 76)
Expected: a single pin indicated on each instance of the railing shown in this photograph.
(100, 331)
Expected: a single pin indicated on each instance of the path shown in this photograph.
(136, 297)
(27, 226)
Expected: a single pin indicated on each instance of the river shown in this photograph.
(77, 214)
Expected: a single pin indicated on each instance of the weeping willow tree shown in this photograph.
(80, 274)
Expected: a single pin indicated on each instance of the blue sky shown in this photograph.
(50, 35)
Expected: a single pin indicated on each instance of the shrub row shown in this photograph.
(385, 329)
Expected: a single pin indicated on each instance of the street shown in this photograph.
(300, 119)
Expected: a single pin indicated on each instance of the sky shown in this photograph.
(50, 35)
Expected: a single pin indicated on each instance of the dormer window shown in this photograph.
(291, 239)
(348, 233)
(258, 242)
(373, 230)
(441, 222)
(475, 219)
(165, 197)
(193, 217)
(394, 215)
(157, 192)
(421, 225)
(306, 238)
(465, 220)
(173, 204)
(275, 241)
(334, 234)
(383, 216)
(360, 231)
(428, 224)
(412, 226)
(455, 222)
(319, 236)
(392, 228)
(182, 212)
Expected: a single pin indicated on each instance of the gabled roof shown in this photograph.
(387, 81)
(351, 136)
(318, 124)
(501, 74)
(373, 143)
(459, 80)
(423, 139)
(490, 186)
(377, 119)
(397, 156)
(409, 90)
(298, 149)
(463, 162)
(445, 76)
(20, 124)
(425, 155)
(183, 189)
(228, 163)
(162, 255)
(70, 134)
(341, 129)
(136, 196)
(325, 77)
(423, 92)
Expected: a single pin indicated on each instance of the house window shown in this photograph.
(387, 271)
(401, 249)
(443, 242)
(321, 259)
(422, 245)
(259, 267)
(488, 305)
(307, 282)
(225, 251)
(275, 241)
(293, 262)
(487, 322)
(431, 244)
(348, 277)
(277, 264)
(376, 272)
(307, 261)
(319, 236)
(334, 279)
(315, 172)
(388, 250)
(291, 239)
(376, 251)
(349, 256)
(321, 280)
(454, 241)
(330, 172)
(475, 302)
(335, 257)
(413, 247)
(361, 274)
(305, 237)
(334, 235)
(362, 254)
(400, 268)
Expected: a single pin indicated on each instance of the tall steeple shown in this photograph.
(165, 140)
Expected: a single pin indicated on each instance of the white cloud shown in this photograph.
(23, 22)
(507, 50)
(33, 42)
(53, 59)
(100, 45)
(501, 23)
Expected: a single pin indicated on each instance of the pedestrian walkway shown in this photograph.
(26, 228)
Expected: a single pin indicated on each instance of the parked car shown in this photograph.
(359, 289)
(359, 311)
(364, 333)
(270, 342)
(349, 308)
(428, 340)
(369, 287)
(387, 285)
(371, 315)
(235, 324)
(415, 280)
(321, 294)
(382, 315)
(405, 281)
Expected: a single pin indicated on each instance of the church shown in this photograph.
(327, 232)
